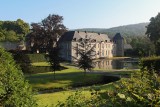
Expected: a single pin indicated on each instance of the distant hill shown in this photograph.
(126, 30)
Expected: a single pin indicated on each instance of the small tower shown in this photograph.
(119, 41)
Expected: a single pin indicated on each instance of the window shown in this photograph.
(102, 45)
(102, 52)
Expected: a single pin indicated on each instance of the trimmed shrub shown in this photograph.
(150, 63)
(37, 57)
(39, 69)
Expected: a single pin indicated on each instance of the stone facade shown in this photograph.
(104, 46)
(13, 45)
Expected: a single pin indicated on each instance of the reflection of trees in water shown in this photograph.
(114, 64)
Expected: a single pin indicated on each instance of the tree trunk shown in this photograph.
(85, 72)
(54, 74)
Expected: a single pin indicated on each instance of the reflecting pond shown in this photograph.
(127, 63)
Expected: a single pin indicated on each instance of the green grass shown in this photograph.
(66, 80)
(40, 64)
(52, 99)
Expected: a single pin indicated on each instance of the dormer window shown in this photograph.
(74, 39)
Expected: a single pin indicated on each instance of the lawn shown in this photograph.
(52, 99)
(66, 83)
(65, 79)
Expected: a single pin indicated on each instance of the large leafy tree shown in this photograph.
(153, 32)
(46, 33)
(14, 90)
(86, 53)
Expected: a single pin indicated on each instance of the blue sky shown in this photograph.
(82, 13)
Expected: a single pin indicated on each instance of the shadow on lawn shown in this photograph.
(67, 81)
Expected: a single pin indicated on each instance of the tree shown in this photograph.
(46, 33)
(14, 89)
(86, 52)
(153, 32)
(142, 46)
(13, 30)
(54, 59)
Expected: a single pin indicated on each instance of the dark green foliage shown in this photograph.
(142, 46)
(153, 32)
(108, 79)
(42, 69)
(14, 90)
(23, 61)
(13, 30)
(54, 59)
(141, 90)
(150, 63)
(37, 57)
(86, 54)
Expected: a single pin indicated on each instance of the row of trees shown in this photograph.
(13, 30)
(142, 46)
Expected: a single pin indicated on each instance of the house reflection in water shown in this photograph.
(115, 64)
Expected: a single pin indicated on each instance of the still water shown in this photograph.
(128, 63)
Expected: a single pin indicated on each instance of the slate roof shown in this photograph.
(117, 37)
(76, 35)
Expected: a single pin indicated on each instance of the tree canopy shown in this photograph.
(45, 34)
(14, 90)
(86, 52)
(153, 32)
(13, 30)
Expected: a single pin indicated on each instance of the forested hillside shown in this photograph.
(127, 30)
(13, 30)
(133, 34)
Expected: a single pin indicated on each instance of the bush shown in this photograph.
(150, 63)
(141, 90)
(14, 90)
(37, 57)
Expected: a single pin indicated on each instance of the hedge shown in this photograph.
(39, 69)
(150, 63)
(37, 57)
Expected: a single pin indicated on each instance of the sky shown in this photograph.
(82, 13)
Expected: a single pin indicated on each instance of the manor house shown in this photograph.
(105, 47)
